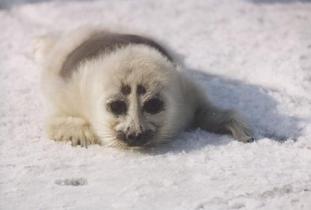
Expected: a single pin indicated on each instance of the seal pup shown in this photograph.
(121, 89)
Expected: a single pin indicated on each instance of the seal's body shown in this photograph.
(123, 89)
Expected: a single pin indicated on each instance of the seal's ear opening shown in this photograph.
(215, 120)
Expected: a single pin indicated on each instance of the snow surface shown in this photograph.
(252, 55)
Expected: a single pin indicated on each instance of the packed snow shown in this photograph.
(250, 55)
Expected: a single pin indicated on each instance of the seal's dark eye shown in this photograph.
(153, 106)
(117, 107)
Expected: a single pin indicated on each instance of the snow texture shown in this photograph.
(251, 55)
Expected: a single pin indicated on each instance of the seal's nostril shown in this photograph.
(120, 135)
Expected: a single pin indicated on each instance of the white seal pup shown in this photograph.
(121, 89)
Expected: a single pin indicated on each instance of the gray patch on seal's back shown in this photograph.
(104, 42)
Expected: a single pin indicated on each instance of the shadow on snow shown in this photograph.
(255, 104)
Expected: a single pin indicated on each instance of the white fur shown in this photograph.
(78, 105)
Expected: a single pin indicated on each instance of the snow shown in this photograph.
(251, 55)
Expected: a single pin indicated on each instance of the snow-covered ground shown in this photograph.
(252, 55)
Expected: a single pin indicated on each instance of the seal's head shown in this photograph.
(136, 97)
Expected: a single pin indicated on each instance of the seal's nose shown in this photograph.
(135, 138)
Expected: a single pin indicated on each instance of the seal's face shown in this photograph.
(138, 98)
(137, 113)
